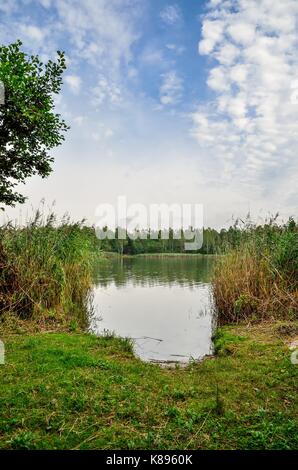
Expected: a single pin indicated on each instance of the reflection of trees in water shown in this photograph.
(153, 271)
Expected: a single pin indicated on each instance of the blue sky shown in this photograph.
(183, 101)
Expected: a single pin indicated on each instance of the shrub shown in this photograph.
(46, 266)
(258, 278)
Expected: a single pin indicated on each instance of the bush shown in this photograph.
(46, 267)
(258, 278)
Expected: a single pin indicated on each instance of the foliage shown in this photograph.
(258, 277)
(215, 241)
(46, 268)
(29, 126)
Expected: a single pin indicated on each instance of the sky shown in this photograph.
(169, 102)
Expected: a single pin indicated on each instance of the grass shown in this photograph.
(258, 278)
(46, 271)
(77, 391)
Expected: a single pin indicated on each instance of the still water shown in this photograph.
(163, 304)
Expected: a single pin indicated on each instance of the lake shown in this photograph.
(164, 304)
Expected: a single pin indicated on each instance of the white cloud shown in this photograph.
(242, 33)
(175, 48)
(33, 32)
(99, 32)
(45, 3)
(171, 88)
(250, 127)
(106, 90)
(171, 14)
(102, 134)
(226, 54)
(238, 73)
(212, 33)
(152, 56)
(102, 31)
(74, 82)
(78, 120)
(218, 79)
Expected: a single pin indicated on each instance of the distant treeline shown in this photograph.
(214, 242)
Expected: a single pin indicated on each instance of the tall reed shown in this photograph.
(258, 278)
(46, 269)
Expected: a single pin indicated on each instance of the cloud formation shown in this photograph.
(171, 14)
(33, 33)
(74, 82)
(132, 82)
(99, 32)
(171, 88)
(251, 125)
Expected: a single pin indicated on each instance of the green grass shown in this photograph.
(77, 391)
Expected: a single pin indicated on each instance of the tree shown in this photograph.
(29, 127)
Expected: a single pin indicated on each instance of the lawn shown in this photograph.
(77, 391)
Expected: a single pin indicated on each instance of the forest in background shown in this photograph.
(214, 241)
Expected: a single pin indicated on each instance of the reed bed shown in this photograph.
(46, 270)
(258, 278)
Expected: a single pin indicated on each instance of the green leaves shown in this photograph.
(29, 127)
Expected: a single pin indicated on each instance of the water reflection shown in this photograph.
(164, 304)
(184, 271)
